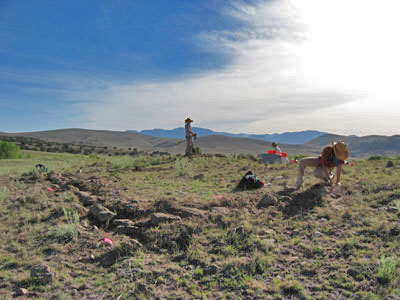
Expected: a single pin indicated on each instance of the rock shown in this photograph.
(21, 292)
(220, 210)
(285, 199)
(122, 222)
(172, 207)
(101, 214)
(41, 273)
(158, 218)
(392, 209)
(80, 184)
(210, 270)
(125, 226)
(135, 243)
(198, 177)
(189, 212)
(389, 164)
(86, 198)
(127, 229)
(54, 179)
(82, 211)
(267, 200)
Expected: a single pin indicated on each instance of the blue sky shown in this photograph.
(240, 66)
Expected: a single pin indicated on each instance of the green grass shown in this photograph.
(343, 246)
(387, 270)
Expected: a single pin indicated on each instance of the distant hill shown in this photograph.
(209, 144)
(362, 146)
(294, 138)
(359, 146)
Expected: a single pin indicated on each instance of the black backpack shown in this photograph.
(250, 181)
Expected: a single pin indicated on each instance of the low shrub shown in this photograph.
(8, 150)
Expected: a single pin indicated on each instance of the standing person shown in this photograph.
(189, 137)
(332, 156)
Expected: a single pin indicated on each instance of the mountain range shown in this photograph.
(294, 138)
(360, 147)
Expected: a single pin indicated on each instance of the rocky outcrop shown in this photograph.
(86, 198)
(267, 200)
(158, 218)
(41, 274)
(101, 214)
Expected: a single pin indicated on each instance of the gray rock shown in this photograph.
(220, 210)
(41, 273)
(285, 199)
(123, 222)
(267, 200)
(86, 198)
(198, 177)
(392, 209)
(210, 270)
(53, 178)
(389, 164)
(158, 218)
(127, 229)
(21, 292)
(189, 212)
(101, 214)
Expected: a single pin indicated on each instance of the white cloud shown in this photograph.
(295, 65)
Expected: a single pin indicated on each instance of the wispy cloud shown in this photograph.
(262, 82)
(290, 66)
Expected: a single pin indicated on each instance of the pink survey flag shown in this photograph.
(108, 241)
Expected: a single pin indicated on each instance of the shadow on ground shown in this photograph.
(302, 202)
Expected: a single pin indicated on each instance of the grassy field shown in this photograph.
(180, 231)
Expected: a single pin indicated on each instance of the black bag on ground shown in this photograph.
(249, 181)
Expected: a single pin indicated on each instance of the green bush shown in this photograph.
(8, 150)
(386, 270)
(378, 157)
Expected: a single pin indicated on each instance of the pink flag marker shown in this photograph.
(108, 241)
(50, 189)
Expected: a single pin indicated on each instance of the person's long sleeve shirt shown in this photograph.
(188, 129)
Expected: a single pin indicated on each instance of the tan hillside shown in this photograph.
(209, 144)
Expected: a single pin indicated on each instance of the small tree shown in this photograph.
(8, 150)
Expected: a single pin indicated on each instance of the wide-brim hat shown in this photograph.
(274, 144)
(188, 120)
(341, 150)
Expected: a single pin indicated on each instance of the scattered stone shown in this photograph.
(186, 212)
(41, 273)
(285, 199)
(158, 218)
(170, 206)
(86, 198)
(198, 177)
(82, 211)
(389, 164)
(80, 184)
(210, 270)
(54, 179)
(392, 209)
(127, 229)
(135, 243)
(21, 292)
(267, 200)
(123, 222)
(220, 210)
(101, 214)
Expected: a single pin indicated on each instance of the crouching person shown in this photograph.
(332, 156)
